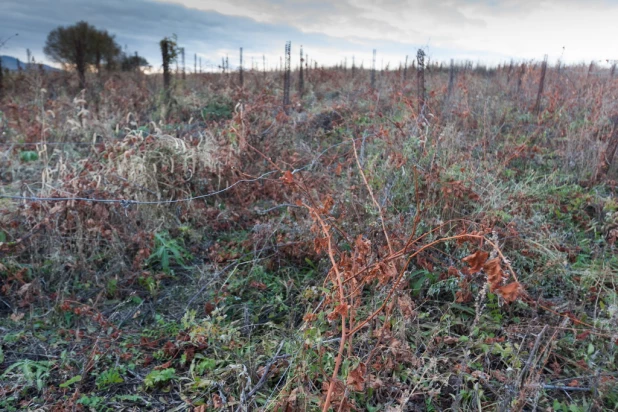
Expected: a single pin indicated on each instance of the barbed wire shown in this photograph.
(128, 202)
(53, 143)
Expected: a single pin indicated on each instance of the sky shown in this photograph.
(485, 31)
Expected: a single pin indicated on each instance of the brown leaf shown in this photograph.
(451, 340)
(510, 292)
(216, 401)
(340, 311)
(25, 289)
(208, 308)
(476, 261)
(494, 272)
(163, 366)
(16, 317)
(406, 306)
(499, 376)
(288, 178)
(463, 295)
(327, 205)
(258, 285)
(294, 395)
(338, 169)
(356, 378)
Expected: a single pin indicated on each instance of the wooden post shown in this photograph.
(420, 82)
(607, 156)
(537, 106)
(373, 70)
(240, 74)
(287, 76)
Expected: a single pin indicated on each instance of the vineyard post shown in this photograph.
(420, 81)
(184, 71)
(240, 74)
(607, 156)
(373, 70)
(537, 105)
(287, 76)
(167, 55)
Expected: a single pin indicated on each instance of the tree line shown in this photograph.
(85, 47)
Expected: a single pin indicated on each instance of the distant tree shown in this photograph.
(132, 63)
(81, 45)
(104, 48)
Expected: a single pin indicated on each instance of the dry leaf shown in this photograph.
(476, 261)
(163, 366)
(510, 292)
(288, 178)
(406, 306)
(216, 401)
(340, 311)
(494, 272)
(356, 377)
(16, 317)
(450, 340)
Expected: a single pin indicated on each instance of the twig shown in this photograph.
(566, 388)
(262, 380)
(375, 202)
(532, 354)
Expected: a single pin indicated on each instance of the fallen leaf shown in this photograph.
(216, 401)
(163, 366)
(16, 317)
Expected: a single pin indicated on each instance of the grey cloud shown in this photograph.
(141, 24)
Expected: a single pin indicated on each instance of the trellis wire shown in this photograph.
(127, 202)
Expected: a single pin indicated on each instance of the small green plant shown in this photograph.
(217, 110)
(421, 279)
(109, 378)
(156, 377)
(30, 373)
(150, 283)
(71, 381)
(28, 156)
(92, 402)
(571, 406)
(167, 250)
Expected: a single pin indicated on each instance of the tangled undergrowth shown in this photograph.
(216, 252)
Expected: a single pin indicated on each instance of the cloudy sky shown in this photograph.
(489, 31)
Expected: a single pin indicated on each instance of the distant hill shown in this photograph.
(12, 63)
